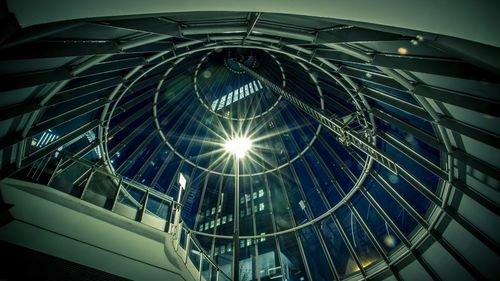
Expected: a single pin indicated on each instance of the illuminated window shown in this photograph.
(236, 95)
(261, 206)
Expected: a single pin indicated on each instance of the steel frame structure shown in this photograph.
(56, 86)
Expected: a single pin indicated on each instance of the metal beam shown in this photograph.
(438, 66)
(331, 54)
(475, 103)
(371, 77)
(352, 34)
(470, 131)
(24, 80)
(477, 164)
(19, 109)
(32, 33)
(115, 65)
(57, 49)
(85, 89)
(395, 102)
(149, 25)
(421, 135)
(254, 17)
(51, 147)
(66, 116)
(413, 155)
(475, 53)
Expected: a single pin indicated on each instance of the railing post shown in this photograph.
(188, 243)
(117, 194)
(92, 171)
(200, 266)
(143, 209)
(55, 171)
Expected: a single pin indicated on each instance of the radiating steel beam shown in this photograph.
(477, 164)
(287, 33)
(476, 196)
(85, 89)
(438, 66)
(470, 131)
(57, 49)
(353, 34)
(475, 103)
(475, 53)
(421, 135)
(66, 116)
(32, 33)
(330, 54)
(19, 109)
(149, 25)
(254, 17)
(51, 147)
(211, 29)
(413, 155)
(24, 80)
(395, 102)
(114, 65)
(371, 77)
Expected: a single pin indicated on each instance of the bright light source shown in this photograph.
(182, 181)
(238, 146)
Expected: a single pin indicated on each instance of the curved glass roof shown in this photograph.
(298, 185)
(356, 139)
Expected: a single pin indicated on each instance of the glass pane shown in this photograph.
(72, 179)
(316, 259)
(101, 190)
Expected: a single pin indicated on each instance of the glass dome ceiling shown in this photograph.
(299, 185)
(356, 143)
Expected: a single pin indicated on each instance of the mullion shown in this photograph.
(143, 167)
(318, 233)
(133, 154)
(351, 207)
(325, 201)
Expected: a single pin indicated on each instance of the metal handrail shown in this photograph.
(175, 234)
(125, 180)
(202, 252)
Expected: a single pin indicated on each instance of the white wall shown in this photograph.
(80, 232)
